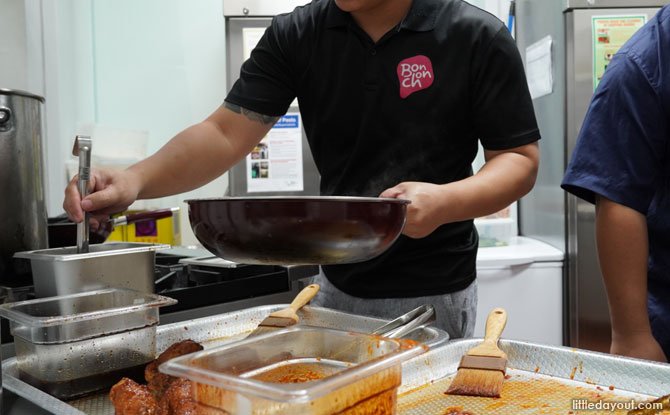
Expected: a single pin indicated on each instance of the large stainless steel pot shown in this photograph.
(297, 230)
(22, 205)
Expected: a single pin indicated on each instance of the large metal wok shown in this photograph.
(298, 229)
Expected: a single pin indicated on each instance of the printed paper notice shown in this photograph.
(609, 35)
(250, 38)
(275, 164)
(539, 68)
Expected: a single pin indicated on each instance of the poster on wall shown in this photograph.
(275, 164)
(609, 35)
(250, 38)
(539, 68)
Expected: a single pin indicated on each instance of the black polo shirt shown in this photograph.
(410, 107)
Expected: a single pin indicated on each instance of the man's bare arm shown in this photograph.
(202, 152)
(623, 252)
(252, 116)
(189, 160)
(506, 176)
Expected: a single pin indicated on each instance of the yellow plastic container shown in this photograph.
(163, 231)
(118, 234)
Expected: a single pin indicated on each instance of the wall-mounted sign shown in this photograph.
(539, 68)
(275, 164)
(609, 35)
(250, 38)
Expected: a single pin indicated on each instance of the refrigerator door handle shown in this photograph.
(506, 263)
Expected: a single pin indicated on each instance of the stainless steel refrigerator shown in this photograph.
(583, 36)
(245, 22)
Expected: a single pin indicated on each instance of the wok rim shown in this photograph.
(358, 199)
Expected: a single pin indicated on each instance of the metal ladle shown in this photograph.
(82, 149)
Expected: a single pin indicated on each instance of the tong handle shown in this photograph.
(82, 149)
(408, 322)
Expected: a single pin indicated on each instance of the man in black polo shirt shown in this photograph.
(394, 96)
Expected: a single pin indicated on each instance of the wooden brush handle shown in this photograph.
(304, 296)
(495, 324)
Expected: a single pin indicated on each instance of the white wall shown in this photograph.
(155, 66)
(13, 45)
(159, 67)
(67, 75)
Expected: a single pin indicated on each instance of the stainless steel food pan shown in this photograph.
(79, 343)
(62, 271)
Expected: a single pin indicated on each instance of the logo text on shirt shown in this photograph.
(414, 74)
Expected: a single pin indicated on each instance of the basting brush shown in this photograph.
(482, 368)
(286, 316)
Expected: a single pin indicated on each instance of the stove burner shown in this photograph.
(200, 284)
(169, 273)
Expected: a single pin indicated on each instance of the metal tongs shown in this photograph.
(408, 322)
(396, 328)
(82, 149)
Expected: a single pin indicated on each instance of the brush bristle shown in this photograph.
(477, 382)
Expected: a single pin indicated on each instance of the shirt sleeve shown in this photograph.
(622, 141)
(266, 84)
(503, 110)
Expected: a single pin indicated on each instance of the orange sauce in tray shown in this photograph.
(295, 373)
(523, 393)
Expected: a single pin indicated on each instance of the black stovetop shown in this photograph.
(202, 285)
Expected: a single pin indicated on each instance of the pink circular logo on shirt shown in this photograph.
(414, 74)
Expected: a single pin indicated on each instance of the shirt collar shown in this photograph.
(420, 17)
(335, 17)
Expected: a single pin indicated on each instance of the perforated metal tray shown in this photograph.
(540, 380)
(210, 331)
(534, 386)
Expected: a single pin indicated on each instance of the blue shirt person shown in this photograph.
(622, 164)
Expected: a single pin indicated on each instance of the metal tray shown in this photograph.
(535, 370)
(542, 380)
(210, 331)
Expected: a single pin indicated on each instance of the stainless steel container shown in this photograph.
(72, 345)
(22, 205)
(61, 271)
